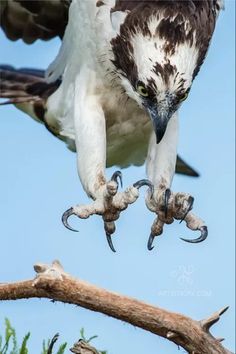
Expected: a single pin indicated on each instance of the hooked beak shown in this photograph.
(160, 121)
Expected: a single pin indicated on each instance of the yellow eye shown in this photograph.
(141, 89)
(183, 97)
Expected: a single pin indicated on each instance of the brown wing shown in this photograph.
(29, 91)
(24, 85)
(30, 20)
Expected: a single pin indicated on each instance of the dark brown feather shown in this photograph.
(31, 20)
(27, 86)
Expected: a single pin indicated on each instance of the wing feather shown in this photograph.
(31, 20)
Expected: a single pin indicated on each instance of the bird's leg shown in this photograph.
(90, 138)
(166, 204)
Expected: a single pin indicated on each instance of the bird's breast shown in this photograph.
(128, 129)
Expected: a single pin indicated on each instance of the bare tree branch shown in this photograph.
(53, 283)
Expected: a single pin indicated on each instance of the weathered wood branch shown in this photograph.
(53, 283)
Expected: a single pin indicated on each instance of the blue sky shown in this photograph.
(39, 181)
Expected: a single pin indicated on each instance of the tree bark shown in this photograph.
(53, 283)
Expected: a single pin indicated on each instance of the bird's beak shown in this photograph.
(160, 121)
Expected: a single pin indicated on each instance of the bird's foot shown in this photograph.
(170, 206)
(109, 204)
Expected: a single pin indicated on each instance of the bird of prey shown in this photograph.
(113, 93)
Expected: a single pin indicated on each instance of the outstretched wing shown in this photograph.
(31, 20)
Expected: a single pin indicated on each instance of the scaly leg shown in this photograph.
(160, 166)
(90, 142)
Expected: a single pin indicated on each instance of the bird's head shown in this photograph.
(156, 62)
(158, 98)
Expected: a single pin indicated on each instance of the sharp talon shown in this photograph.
(204, 233)
(191, 201)
(150, 242)
(109, 241)
(167, 197)
(117, 176)
(144, 182)
(65, 217)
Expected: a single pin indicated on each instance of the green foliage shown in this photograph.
(9, 345)
(45, 346)
(23, 349)
(62, 348)
(82, 336)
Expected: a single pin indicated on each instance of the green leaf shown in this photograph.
(91, 338)
(9, 332)
(14, 340)
(45, 346)
(23, 349)
(82, 334)
(62, 348)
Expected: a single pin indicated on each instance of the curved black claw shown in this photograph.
(190, 207)
(117, 176)
(144, 182)
(109, 241)
(204, 233)
(150, 242)
(167, 197)
(65, 218)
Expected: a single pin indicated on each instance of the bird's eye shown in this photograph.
(183, 97)
(141, 89)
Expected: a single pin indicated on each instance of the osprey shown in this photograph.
(113, 93)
